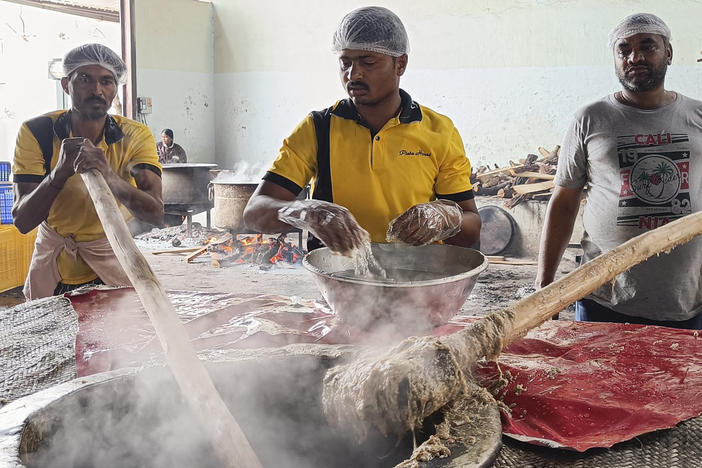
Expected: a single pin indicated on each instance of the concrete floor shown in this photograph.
(497, 287)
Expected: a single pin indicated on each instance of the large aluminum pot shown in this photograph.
(426, 285)
(186, 184)
(230, 199)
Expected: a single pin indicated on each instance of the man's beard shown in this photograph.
(655, 78)
(93, 113)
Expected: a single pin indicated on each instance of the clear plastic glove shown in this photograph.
(426, 223)
(332, 224)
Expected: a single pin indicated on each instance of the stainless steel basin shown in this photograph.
(427, 285)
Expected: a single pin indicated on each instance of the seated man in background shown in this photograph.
(71, 249)
(168, 151)
(639, 150)
(374, 157)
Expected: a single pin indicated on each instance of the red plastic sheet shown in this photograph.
(574, 385)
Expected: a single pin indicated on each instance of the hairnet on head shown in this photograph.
(95, 54)
(375, 29)
(637, 24)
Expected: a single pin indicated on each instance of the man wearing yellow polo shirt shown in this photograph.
(384, 167)
(71, 249)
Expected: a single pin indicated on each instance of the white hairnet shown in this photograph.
(375, 29)
(95, 54)
(636, 24)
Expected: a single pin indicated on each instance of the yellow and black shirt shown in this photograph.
(416, 157)
(126, 144)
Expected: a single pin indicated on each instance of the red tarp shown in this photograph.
(575, 385)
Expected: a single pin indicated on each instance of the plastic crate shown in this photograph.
(15, 256)
(6, 199)
(4, 171)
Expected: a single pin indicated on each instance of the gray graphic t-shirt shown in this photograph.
(644, 170)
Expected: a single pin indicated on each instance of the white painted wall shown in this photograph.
(175, 65)
(29, 38)
(510, 73)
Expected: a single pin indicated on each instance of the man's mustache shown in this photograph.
(96, 99)
(646, 67)
(357, 84)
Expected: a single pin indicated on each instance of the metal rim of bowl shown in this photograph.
(433, 282)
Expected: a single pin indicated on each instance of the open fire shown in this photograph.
(254, 249)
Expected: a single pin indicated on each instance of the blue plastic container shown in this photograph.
(5, 169)
(6, 199)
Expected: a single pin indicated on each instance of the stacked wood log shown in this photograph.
(530, 178)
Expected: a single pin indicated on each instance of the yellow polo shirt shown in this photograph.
(416, 157)
(125, 142)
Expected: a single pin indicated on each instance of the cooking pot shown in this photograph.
(230, 199)
(186, 184)
(426, 285)
(129, 417)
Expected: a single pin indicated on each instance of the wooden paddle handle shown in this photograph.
(198, 389)
(535, 309)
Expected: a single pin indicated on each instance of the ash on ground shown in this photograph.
(177, 237)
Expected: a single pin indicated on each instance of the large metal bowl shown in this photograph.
(426, 285)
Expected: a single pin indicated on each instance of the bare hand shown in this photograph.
(333, 224)
(70, 147)
(91, 157)
(426, 223)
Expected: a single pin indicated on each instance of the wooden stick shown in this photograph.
(542, 305)
(173, 251)
(498, 171)
(197, 253)
(523, 189)
(228, 440)
(533, 175)
(544, 152)
(508, 261)
(368, 387)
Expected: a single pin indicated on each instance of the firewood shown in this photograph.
(195, 254)
(534, 175)
(507, 192)
(531, 188)
(552, 158)
(497, 171)
(491, 181)
(516, 200)
(544, 152)
(493, 190)
(173, 251)
(531, 159)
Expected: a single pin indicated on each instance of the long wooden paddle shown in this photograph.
(395, 390)
(227, 438)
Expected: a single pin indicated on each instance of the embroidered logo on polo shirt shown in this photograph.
(414, 153)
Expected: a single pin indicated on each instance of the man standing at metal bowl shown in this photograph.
(71, 249)
(384, 167)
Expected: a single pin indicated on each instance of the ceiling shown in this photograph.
(107, 10)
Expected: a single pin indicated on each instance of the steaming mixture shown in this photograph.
(394, 275)
(459, 424)
(396, 390)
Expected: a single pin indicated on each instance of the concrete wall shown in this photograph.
(510, 73)
(175, 65)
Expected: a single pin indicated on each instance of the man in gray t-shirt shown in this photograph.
(639, 151)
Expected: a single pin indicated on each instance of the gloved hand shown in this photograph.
(332, 224)
(426, 223)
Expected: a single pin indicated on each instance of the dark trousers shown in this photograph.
(587, 310)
